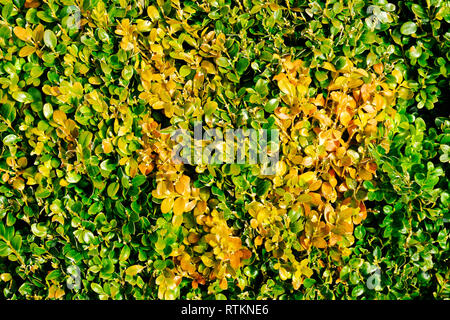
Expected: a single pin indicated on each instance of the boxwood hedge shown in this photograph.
(93, 206)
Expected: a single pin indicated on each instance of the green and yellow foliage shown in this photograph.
(91, 91)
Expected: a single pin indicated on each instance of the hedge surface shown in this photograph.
(93, 207)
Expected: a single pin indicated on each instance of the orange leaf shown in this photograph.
(365, 175)
(315, 185)
(327, 191)
(223, 284)
(319, 243)
(378, 68)
(59, 117)
(235, 261)
(107, 145)
(246, 254)
(32, 3)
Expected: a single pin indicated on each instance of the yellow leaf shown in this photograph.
(167, 205)
(153, 12)
(286, 87)
(26, 51)
(59, 293)
(207, 261)
(190, 205)
(398, 75)
(133, 270)
(19, 184)
(208, 66)
(284, 274)
(182, 186)
(59, 117)
(123, 161)
(161, 190)
(329, 66)
(177, 220)
(304, 198)
(179, 206)
(235, 261)
(405, 93)
(315, 185)
(345, 118)
(23, 34)
(307, 176)
(38, 33)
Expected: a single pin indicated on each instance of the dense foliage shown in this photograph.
(92, 205)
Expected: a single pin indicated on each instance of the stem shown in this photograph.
(19, 257)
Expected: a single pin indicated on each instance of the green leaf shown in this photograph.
(321, 75)
(95, 208)
(11, 139)
(87, 236)
(308, 283)
(7, 10)
(262, 87)
(127, 72)
(124, 253)
(112, 189)
(8, 112)
(73, 177)
(360, 232)
(50, 39)
(43, 193)
(185, 71)
(263, 187)
(85, 139)
(408, 28)
(97, 288)
(271, 105)
(138, 180)
(242, 65)
(357, 291)
(22, 96)
(418, 11)
(220, 296)
(53, 275)
(39, 230)
(47, 110)
(5, 250)
(133, 270)
(223, 62)
(16, 242)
